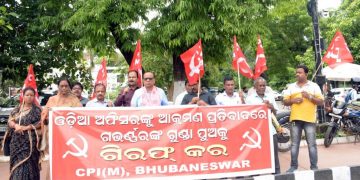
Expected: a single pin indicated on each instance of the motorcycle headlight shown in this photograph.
(337, 111)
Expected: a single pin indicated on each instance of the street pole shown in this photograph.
(320, 80)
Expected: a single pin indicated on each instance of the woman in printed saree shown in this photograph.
(24, 153)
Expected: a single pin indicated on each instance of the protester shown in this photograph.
(261, 96)
(149, 95)
(126, 94)
(64, 98)
(229, 97)
(352, 95)
(268, 90)
(204, 99)
(181, 96)
(303, 96)
(77, 90)
(99, 101)
(24, 153)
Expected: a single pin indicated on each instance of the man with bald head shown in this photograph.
(260, 96)
(149, 95)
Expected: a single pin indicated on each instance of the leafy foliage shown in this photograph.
(54, 33)
(347, 20)
(182, 23)
(290, 37)
(37, 39)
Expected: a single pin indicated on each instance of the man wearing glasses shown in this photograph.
(126, 94)
(149, 95)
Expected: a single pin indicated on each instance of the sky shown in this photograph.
(325, 4)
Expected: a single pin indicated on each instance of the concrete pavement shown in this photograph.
(336, 155)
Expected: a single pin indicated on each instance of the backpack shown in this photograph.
(348, 96)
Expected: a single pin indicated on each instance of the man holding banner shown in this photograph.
(204, 98)
(149, 95)
(229, 97)
(262, 97)
(99, 101)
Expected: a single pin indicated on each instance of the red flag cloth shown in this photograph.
(239, 61)
(260, 63)
(30, 81)
(193, 63)
(136, 62)
(338, 51)
(101, 76)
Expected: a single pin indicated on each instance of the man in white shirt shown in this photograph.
(149, 95)
(99, 101)
(180, 97)
(261, 96)
(229, 97)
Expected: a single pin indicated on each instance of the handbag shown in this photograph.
(6, 143)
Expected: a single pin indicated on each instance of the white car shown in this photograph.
(278, 96)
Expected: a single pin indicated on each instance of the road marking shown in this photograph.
(308, 175)
(341, 173)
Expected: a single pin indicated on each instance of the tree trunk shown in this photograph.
(127, 54)
(179, 76)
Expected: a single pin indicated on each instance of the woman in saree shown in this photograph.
(64, 98)
(24, 153)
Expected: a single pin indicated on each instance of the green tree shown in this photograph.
(5, 25)
(35, 41)
(183, 23)
(347, 20)
(289, 38)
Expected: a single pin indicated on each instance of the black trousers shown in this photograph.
(276, 155)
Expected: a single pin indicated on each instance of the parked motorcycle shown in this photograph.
(284, 140)
(345, 116)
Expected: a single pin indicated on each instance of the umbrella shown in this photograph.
(342, 72)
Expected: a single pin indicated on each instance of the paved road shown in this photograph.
(334, 156)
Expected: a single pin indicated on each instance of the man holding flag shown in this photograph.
(229, 97)
(134, 79)
(126, 94)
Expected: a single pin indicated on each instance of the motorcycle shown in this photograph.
(343, 116)
(284, 140)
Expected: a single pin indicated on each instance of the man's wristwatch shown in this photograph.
(311, 97)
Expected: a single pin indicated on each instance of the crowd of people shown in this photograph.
(25, 121)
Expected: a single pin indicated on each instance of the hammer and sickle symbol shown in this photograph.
(80, 152)
(195, 69)
(255, 144)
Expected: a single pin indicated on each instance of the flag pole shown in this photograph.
(199, 87)
(238, 72)
(320, 65)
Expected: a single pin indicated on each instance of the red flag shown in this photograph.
(260, 63)
(136, 62)
(338, 51)
(30, 82)
(193, 62)
(101, 76)
(239, 61)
